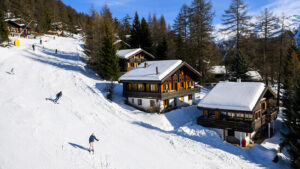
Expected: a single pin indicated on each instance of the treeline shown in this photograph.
(45, 12)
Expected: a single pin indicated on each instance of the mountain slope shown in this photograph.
(35, 133)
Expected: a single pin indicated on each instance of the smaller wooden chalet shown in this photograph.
(238, 110)
(157, 86)
(131, 58)
(16, 27)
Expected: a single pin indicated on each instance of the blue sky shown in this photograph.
(170, 8)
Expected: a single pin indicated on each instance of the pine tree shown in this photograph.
(135, 40)
(161, 50)
(145, 36)
(110, 69)
(291, 100)
(3, 28)
(236, 20)
(239, 66)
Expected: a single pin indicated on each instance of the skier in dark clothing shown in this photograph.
(58, 95)
(91, 141)
(33, 47)
(41, 41)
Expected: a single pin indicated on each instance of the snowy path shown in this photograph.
(35, 133)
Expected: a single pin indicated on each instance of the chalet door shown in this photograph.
(175, 102)
(230, 133)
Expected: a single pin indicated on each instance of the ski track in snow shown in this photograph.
(35, 133)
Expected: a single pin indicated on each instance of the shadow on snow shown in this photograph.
(78, 146)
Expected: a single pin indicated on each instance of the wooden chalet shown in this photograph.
(157, 86)
(238, 110)
(131, 58)
(17, 28)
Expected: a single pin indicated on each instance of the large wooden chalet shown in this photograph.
(131, 58)
(157, 86)
(16, 27)
(238, 110)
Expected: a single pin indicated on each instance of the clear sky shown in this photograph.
(170, 8)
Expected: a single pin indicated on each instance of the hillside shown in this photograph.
(35, 133)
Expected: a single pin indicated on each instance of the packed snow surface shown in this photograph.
(36, 133)
(233, 96)
(126, 53)
(149, 73)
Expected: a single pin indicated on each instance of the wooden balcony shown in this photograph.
(237, 125)
(162, 96)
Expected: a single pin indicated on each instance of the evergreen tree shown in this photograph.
(236, 20)
(135, 40)
(239, 66)
(3, 28)
(291, 100)
(161, 50)
(110, 69)
(145, 36)
(181, 22)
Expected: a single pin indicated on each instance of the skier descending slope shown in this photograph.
(58, 96)
(91, 141)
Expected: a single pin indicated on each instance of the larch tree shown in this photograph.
(266, 24)
(200, 19)
(236, 20)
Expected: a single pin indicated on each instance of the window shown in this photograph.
(152, 88)
(182, 99)
(167, 87)
(132, 64)
(129, 86)
(190, 97)
(140, 87)
(139, 101)
(132, 100)
(152, 103)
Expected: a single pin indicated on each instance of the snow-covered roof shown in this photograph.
(217, 70)
(241, 96)
(149, 73)
(126, 53)
(254, 75)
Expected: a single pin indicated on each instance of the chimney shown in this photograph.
(146, 64)
(239, 80)
(156, 70)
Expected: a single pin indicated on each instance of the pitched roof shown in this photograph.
(126, 53)
(241, 96)
(149, 73)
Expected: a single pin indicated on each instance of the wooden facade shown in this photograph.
(244, 121)
(177, 84)
(134, 60)
(16, 28)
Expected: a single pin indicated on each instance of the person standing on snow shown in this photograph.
(33, 47)
(91, 141)
(58, 95)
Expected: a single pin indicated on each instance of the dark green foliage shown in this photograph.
(3, 28)
(239, 66)
(161, 50)
(110, 69)
(135, 40)
(291, 100)
(145, 36)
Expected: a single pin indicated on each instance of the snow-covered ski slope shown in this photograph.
(37, 134)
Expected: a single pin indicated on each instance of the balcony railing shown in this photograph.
(237, 125)
(164, 95)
